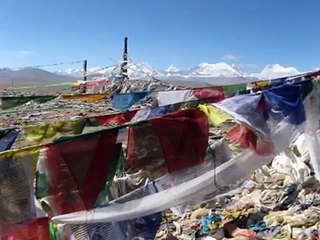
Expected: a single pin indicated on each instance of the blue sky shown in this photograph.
(250, 33)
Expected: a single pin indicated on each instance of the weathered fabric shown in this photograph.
(144, 148)
(37, 229)
(48, 131)
(208, 94)
(231, 90)
(11, 102)
(76, 170)
(246, 109)
(7, 138)
(16, 178)
(285, 101)
(124, 101)
(112, 120)
(183, 137)
(215, 115)
(93, 97)
(246, 138)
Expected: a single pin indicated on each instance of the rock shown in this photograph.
(200, 212)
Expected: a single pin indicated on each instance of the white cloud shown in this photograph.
(229, 57)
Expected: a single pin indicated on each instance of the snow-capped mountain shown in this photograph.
(172, 69)
(75, 72)
(209, 73)
(220, 69)
(142, 71)
(135, 71)
(276, 71)
(93, 71)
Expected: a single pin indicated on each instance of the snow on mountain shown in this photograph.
(78, 72)
(276, 71)
(212, 70)
(141, 71)
(102, 71)
(236, 67)
(135, 71)
(220, 69)
(205, 73)
(172, 69)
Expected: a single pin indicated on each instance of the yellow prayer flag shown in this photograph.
(215, 115)
(38, 133)
(85, 97)
(23, 153)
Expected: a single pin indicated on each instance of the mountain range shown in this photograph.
(220, 69)
(31, 76)
(203, 72)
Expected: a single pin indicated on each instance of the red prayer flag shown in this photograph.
(210, 94)
(248, 139)
(144, 148)
(78, 169)
(116, 119)
(183, 137)
(37, 229)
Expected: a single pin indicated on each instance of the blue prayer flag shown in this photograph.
(126, 100)
(159, 111)
(285, 101)
(7, 139)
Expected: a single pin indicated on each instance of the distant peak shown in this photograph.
(217, 70)
(271, 66)
(172, 69)
(5, 69)
(276, 70)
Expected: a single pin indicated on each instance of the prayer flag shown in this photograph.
(16, 179)
(39, 133)
(76, 170)
(180, 139)
(93, 97)
(37, 229)
(124, 101)
(7, 138)
(11, 102)
(183, 137)
(209, 94)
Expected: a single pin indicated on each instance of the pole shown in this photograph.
(85, 64)
(124, 64)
